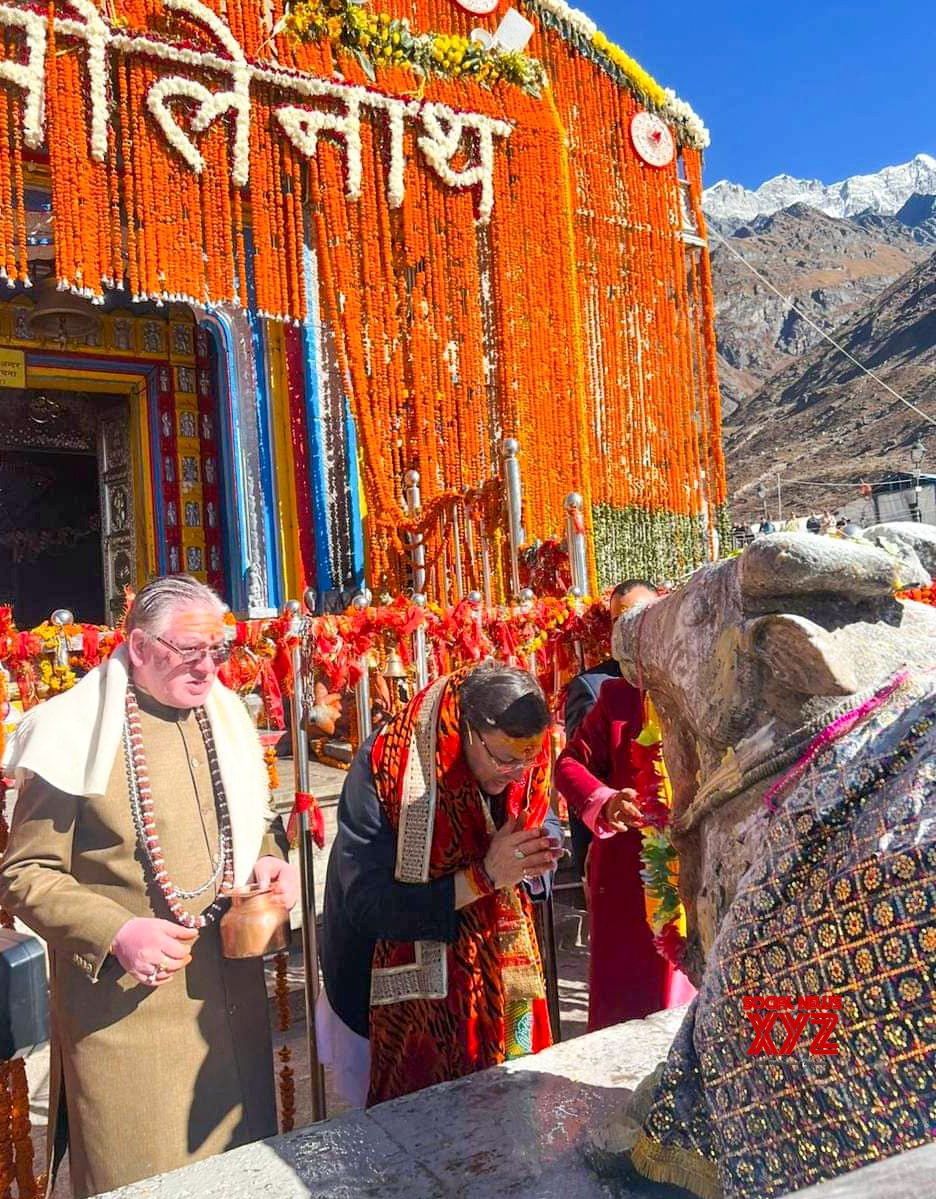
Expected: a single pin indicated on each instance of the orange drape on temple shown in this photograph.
(574, 320)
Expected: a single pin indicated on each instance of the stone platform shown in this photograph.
(539, 1128)
(520, 1130)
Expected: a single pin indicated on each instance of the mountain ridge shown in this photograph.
(884, 192)
(822, 419)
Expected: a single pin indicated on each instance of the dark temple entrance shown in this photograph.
(51, 548)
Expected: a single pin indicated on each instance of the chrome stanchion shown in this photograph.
(61, 618)
(510, 450)
(486, 570)
(362, 689)
(417, 541)
(459, 574)
(575, 540)
(293, 609)
(421, 649)
(545, 924)
(543, 911)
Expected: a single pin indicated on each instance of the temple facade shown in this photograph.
(257, 267)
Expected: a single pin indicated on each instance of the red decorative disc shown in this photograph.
(652, 139)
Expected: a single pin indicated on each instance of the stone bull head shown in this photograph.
(747, 662)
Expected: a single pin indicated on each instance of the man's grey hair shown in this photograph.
(156, 602)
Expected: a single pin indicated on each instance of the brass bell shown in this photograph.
(61, 315)
(394, 671)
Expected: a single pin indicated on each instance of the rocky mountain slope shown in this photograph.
(829, 266)
(821, 418)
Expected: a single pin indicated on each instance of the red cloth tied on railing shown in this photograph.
(306, 802)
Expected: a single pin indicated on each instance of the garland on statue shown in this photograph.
(665, 913)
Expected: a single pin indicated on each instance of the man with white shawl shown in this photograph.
(142, 798)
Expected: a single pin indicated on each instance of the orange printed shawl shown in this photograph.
(438, 1011)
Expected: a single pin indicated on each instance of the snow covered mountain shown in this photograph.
(885, 193)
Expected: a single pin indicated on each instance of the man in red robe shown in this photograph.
(628, 979)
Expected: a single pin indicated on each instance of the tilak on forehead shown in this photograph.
(526, 748)
(199, 622)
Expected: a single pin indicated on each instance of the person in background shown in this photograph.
(429, 954)
(142, 798)
(628, 979)
(581, 695)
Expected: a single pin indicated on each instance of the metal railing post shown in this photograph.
(510, 450)
(575, 540)
(417, 541)
(61, 617)
(421, 649)
(362, 689)
(310, 966)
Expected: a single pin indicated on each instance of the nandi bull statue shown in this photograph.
(799, 732)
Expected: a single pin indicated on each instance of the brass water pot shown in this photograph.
(256, 923)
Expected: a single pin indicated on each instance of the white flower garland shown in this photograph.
(30, 76)
(445, 130)
(303, 125)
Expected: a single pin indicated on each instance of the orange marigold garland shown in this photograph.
(450, 335)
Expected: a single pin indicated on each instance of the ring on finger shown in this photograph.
(519, 855)
(151, 977)
(164, 965)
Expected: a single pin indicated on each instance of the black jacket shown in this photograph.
(364, 903)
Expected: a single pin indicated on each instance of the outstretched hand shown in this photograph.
(621, 812)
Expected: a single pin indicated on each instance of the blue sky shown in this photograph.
(818, 90)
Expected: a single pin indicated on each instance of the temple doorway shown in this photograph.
(66, 505)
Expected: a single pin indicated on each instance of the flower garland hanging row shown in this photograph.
(653, 419)
(379, 40)
(584, 34)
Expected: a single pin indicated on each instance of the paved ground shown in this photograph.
(326, 783)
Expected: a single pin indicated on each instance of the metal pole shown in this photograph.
(310, 965)
(421, 650)
(544, 920)
(575, 538)
(510, 450)
(459, 577)
(486, 569)
(362, 690)
(576, 594)
(469, 546)
(60, 618)
(527, 600)
(443, 563)
(476, 599)
(416, 540)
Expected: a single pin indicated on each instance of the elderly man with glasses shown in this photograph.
(445, 837)
(142, 800)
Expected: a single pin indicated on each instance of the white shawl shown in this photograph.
(72, 742)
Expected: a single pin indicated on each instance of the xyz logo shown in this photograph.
(766, 1011)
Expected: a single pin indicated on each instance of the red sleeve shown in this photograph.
(582, 767)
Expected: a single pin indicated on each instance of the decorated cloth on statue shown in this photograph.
(441, 1011)
(840, 902)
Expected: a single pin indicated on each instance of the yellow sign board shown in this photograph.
(12, 368)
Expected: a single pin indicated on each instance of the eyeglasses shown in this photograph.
(194, 656)
(514, 766)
